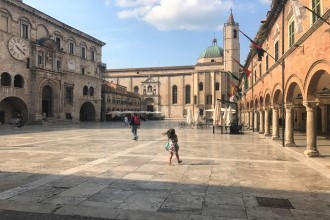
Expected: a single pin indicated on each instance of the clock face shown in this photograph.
(18, 48)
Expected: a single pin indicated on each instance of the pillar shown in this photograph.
(275, 129)
(261, 121)
(251, 119)
(289, 141)
(311, 147)
(267, 125)
(255, 125)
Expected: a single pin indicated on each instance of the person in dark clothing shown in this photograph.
(135, 124)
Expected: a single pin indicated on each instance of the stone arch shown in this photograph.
(87, 112)
(18, 81)
(276, 95)
(50, 102)
(10, 107)
(292, 86)
(267, 98)
(42, 32)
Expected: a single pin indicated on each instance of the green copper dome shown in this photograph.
(212, 51)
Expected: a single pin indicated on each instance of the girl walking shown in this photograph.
(173, 146)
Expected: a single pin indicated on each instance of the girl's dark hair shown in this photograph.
(170, 133)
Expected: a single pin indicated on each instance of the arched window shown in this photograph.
(174, 94)
(187, 94)
(85, 91)
(136, 90)
(217, 86)
(149, 88)
(18, 81)
(91, 91)
(235, 33)
(5, 79)
(200, 86)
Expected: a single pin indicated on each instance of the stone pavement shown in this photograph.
(95, 170)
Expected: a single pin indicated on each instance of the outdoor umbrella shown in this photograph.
(189, 117)
(217, 119)
(225, 114)
(229, 118)
(197, 118)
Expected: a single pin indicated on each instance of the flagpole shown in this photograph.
(314, 13)
(283, 72)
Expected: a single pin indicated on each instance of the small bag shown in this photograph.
(167, 145)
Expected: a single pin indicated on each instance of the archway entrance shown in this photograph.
(87, 112)
(47, 101)
(10, 107)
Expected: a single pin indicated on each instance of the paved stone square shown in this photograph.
(96, 170)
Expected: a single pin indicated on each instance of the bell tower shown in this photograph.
(231, 45)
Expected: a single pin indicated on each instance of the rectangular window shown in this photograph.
(71, 48)
(260, 70)
(69, 94)
(291, 33)
(40, 60)
(58, 65)
(24, 30)
(92, 55)
(82, 70)
(316, 7)
(267, 63)
(276, 51)
(83, 52)
(58, 42)
(3, 23)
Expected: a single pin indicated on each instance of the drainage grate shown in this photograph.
(274, 203)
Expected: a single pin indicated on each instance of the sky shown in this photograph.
(154, 33)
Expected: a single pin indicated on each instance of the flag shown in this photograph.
(260, 51)
(245, 70)
(299, 12)
(233, 75)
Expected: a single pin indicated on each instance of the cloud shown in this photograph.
(192, 15)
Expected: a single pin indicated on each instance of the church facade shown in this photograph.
(174, 89)
(47, 67)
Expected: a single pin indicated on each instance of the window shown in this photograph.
(136, 90)
(316, 7)
(291, 33)
(200, 86)
(71, 47)
(58, 42)
(4, 22)
(217, 86)
(187, 94)
(69, 94)
(276, 50)
(208, 99)
(235, 33)
(40, 59)
(92, 55)
(85, 91)
(174, 94)
(18, 81)
(83, 52)
(24, 30)
(260, 69)
(91, 91)
(58, 64)
(82, 70)
(255, 76)
(5, 79)
(267, 63)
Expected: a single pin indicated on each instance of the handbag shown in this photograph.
(167, 146)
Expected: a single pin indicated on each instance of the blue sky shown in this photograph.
(152, 33)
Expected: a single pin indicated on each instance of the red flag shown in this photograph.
(245, 70)
(259, 49)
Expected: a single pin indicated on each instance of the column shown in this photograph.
(267, 125)
(275, 133)
(311, 148)
(289, 142)
(255, 125)
(261, 121)
(251, 119)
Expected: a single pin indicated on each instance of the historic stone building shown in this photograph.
(116, 98)
(174, 89)
(47, 67)
(290, 86)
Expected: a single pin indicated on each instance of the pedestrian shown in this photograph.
(135, 124)
(44, 117)
(172, 145)
(126, 120)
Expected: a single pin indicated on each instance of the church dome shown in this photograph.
(212, 51)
